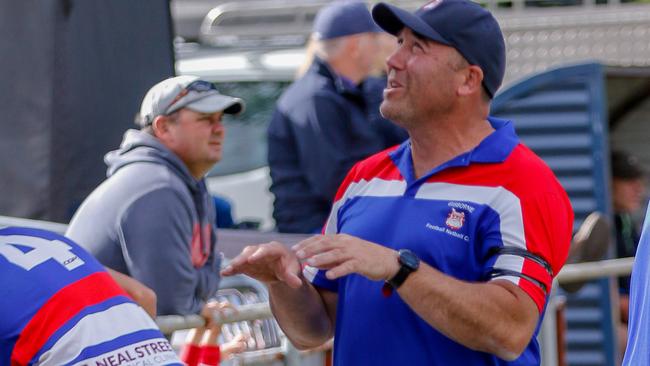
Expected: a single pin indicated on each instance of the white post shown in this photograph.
(547, 336)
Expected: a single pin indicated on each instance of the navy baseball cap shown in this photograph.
(343, 18)
(626, 167)
(461, 24)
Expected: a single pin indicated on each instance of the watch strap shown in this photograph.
(400, 277)
(402, 274)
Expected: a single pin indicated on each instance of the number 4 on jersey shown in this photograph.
(41, 250)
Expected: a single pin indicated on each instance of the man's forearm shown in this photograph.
(486, 317)
(301, 313)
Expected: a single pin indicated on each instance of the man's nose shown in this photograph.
(217, 126)
(395, 59)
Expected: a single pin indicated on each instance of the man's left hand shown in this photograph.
(343, 254)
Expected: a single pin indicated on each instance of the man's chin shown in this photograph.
(389, 111)
(216, 153)
(213, 158)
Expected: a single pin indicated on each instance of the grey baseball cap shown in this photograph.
(185, 91)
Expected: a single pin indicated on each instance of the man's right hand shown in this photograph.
(269, 263)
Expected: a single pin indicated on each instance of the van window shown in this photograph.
(245, 144)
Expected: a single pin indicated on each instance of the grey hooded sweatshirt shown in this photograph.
(153, 221)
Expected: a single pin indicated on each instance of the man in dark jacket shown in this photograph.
(153, 218)
(322, 124)
(628, 196)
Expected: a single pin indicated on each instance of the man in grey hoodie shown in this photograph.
(152, 218)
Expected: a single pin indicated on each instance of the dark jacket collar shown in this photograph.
(342, 86)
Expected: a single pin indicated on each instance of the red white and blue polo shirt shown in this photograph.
(58, 306)
(495, 212)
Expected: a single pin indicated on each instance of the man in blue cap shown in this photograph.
(441, 251)
(321, 126)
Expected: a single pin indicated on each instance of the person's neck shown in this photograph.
(346, 69)
(198, 172)
(442, 139)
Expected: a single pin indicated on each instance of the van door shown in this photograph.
(561, 115)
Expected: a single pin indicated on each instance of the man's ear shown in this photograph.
(160, 127)
(473, 81)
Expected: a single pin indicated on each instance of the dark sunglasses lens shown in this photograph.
(201, 86)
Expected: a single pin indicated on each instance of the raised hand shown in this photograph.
(234, 346)
(269, 263)
(343, 254)
(212, 307)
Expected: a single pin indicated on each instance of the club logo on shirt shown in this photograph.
(446, 230)
(455, 219)
(431, 4)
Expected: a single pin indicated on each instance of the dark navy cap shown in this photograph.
(343, 18)
(461, 24)
(626, 167)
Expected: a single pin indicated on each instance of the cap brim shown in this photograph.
(376, 28)
(393, 19)
(217, 103)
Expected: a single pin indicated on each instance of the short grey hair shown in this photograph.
(149, 127)
(328, 49)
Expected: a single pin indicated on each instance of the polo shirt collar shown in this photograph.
(495, 148)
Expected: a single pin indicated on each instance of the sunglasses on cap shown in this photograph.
(199, 86)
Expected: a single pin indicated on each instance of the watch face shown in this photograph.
(409, 259)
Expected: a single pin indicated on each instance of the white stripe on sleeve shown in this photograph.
(97, 328)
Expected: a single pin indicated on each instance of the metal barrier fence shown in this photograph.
(579, 272)
(171, 323)
(248, 312)
(571, 273)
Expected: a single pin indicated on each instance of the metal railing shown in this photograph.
(288, 22)
(579, 272)
(171, 323)
(571, 273)
(537, 36)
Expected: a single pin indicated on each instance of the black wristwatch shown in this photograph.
(409, 263)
